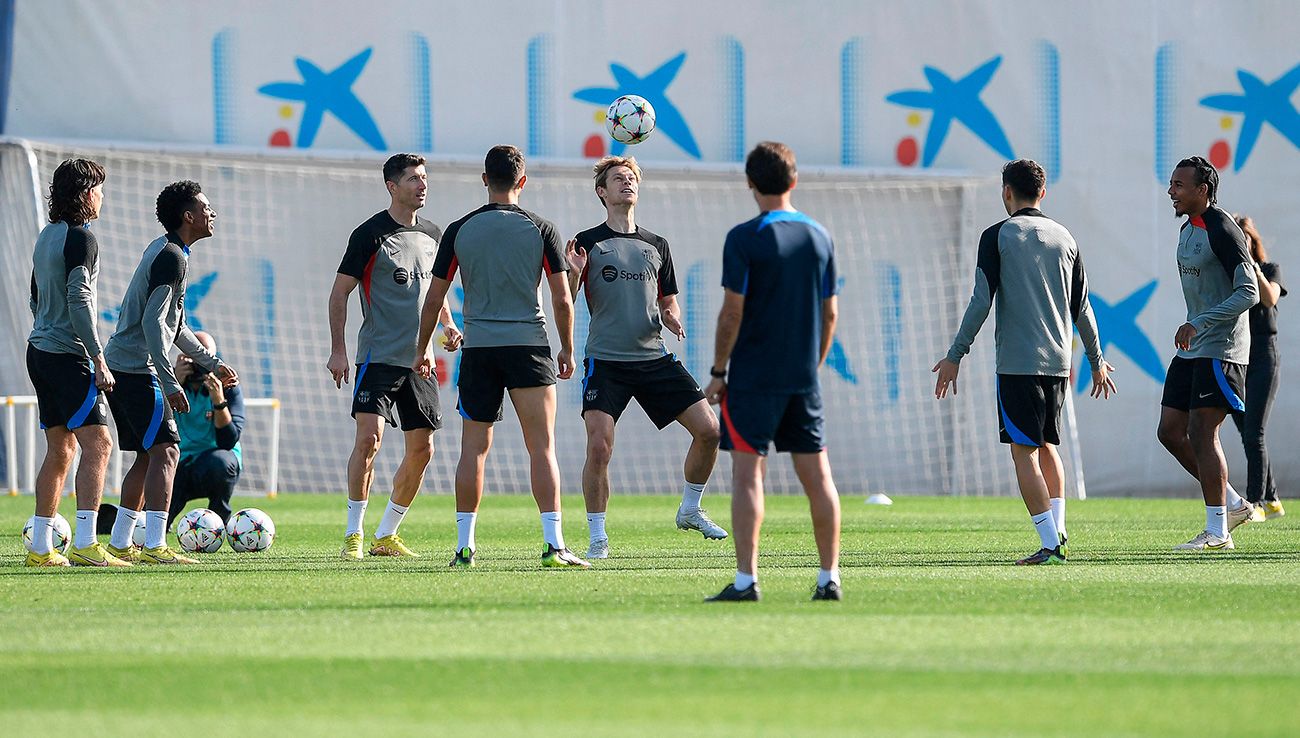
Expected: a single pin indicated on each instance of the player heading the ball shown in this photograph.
(631, 287)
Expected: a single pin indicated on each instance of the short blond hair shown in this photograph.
(601, 170)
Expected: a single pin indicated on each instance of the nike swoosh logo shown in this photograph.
(1219, 514)
(1207, 394)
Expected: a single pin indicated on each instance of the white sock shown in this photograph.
(596, 524)
(42, 535)
(465, 530)
(392, 518)
(84, 535)
(745, 581)
(691, 496)
(1233, 499)
(1046, 526)
(123, 527)
(1216, 520)
(551, 532)
(356, 515)
(155, 528)
(1058, 514)
(826, 576)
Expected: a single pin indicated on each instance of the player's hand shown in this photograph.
(339, 369)
(565, 361)
(184, 368)
(227, 375)
(673, 325)
(947, 376)
(179, 402)
(104, 379)
(423, 366)
(1183, 338)
(452, 338)
(577, 257)
(1102, 385)
(716, 391)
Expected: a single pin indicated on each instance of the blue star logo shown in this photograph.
(195, 293)
(1117, 325)
(958, 100)
(1260, 103)
(331, 92)
(654, 88)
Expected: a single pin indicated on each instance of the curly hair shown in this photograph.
(68, 187)
(174, 201)
(601, 170)
(1025, 177)
(1206, 175)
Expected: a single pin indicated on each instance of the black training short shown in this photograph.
(1193, 383)
(1029, 408)
(794, 423)
(65, 390)
(397, 392)
(141, 413)
(662, 387)
(487, 372)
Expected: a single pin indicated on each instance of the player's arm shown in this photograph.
(1229, 245)
(1081, 314)
(80, 255)
(452, 337)
(724, 342)
(670, 312)
(576, 253)
(338, 365)
(434, 306)
(830, 308)
(988, 270)
(556, 266)
(31, 300)
(166, 275)
(227, 422)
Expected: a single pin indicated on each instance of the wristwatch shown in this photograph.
(222, 405)
(717, 374)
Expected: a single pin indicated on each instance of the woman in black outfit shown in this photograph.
(1261, 378)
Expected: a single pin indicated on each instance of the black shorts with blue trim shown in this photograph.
(1029, 408)
(141, 413)
(65, 390)
(662, 387)
(397, 393)
(1200, 382)
(487, 372)
(751, 421)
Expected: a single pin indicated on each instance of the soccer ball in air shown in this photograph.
(250, 529)
(630, 119)
(61, 536)
(200, 531)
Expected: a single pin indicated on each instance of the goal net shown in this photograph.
(905, 249)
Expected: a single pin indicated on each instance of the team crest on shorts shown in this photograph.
(363, 396)
(591, 395)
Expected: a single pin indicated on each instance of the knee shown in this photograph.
(227, 463)
(710, 434)
(97, 443)
(169, 455)
(367, 444)
(420, 455)
(599, 451)
(1171, 435)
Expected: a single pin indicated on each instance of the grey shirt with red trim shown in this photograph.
(1030, 266)
(393, 262)
(502, 252)
(153, 317)
(625, 277)
(1219, 286)
(65, 270)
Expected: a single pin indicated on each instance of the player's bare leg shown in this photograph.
(475, 442)
(96, 447)
(814, 472)
(1193, 440)
(158, 479)
(747, 473)
(361, 472)
(702, 424)
(60, 450)
(595, 479)
(406, 485)
(1033, 490)
(535, 407)
(1054, 474)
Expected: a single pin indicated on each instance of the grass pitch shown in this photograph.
(939, 636)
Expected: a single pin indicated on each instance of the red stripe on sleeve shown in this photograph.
(365, 275)
(451, 268)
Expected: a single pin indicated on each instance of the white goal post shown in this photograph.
(905, 250)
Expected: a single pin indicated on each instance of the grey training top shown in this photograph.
(65, 269)
(393, 262)
(153, 317)
(1032, 266)
(1219, 286)
(502, 251)
(625, 277)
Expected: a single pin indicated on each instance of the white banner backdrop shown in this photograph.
(1108, 95)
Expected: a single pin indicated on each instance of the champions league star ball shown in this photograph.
(250, 529)
(60, 536)
(200, 531)
(630, 119)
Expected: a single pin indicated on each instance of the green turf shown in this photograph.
(938, 635)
